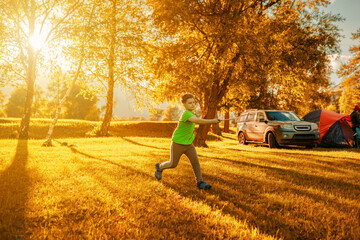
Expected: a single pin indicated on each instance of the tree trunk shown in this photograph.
(48, 142)
(25, 121)
(31, 77)
(58, 110)
(105, 125)
(212, 98)
(227, 122)
(215, 128)
(202, 131)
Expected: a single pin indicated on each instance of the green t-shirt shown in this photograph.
(184, 133)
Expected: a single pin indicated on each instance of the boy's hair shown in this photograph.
(186, 96)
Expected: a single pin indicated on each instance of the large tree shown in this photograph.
(208, 47)
(115, 46)
(29, 24)
(78, 29)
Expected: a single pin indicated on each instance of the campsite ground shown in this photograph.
(104, 188)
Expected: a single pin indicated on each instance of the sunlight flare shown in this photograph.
(37, 41)
(39, 37)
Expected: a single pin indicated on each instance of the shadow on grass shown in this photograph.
(128, 169)
(333, 162)
(14, 187)
(315, 155)
(142, 145)
(149, 218)
(227, 137)
(302, 179)
(253, 200)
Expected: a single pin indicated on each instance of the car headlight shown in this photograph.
(314, 126)
(286, 126)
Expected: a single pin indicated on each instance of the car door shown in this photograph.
(241, 123)
(250, 129)
(259, 126)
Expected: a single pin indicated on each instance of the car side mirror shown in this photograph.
(262, 120)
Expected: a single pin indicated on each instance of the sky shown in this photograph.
(350, 10)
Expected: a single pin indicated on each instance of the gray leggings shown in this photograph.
(176, 150)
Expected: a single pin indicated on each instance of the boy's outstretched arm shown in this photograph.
(197, 120)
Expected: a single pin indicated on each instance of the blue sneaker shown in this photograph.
(203, 185)
(158, 171)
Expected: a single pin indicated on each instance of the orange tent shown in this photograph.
(335, 129)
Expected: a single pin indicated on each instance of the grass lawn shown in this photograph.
(104, 188)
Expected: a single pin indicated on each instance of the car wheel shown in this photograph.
(242, 139)
(272, 141)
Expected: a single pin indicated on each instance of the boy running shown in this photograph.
(181, 142)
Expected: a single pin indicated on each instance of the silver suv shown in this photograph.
(276, 128)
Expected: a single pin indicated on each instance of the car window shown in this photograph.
(251, 117)
(260, 116)
(282, 116)
(243, 117)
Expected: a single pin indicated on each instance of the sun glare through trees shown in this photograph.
(37, 41)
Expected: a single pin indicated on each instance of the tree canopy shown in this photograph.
(115, 46)
(264, 49)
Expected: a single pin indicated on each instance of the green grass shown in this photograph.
(104, 188)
